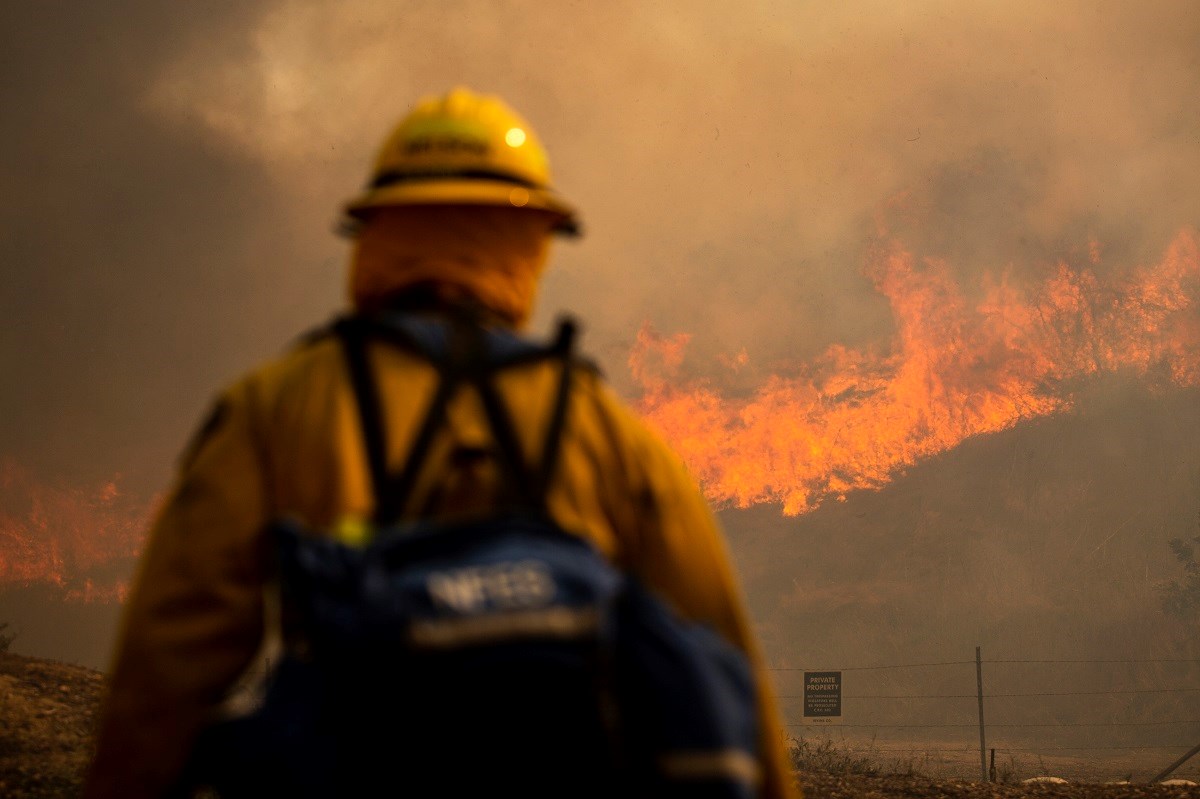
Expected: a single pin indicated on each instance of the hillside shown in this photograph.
(1051, 536)
(47, 712)
(1044, 544)
(1047, 541)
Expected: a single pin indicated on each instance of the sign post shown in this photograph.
(822, 696)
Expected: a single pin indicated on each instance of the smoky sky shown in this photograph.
(172, 174)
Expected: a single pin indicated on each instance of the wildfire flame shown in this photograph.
(854, 418)
(81, 542)
(851, 419)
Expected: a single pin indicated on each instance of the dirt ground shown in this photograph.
(830, 786)
(48, 711)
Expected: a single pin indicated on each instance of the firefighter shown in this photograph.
(459, 212)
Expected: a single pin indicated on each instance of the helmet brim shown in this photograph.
(466, 192)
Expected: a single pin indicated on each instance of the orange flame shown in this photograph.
(82, 542)
(851, 419)
(854, 418)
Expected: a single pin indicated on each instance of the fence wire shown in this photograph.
(1005, 748)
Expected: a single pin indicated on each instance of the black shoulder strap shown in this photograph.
(352, 334)
(466, 361)
(392, 498)
(563, 347)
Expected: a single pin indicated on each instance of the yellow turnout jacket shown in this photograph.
(286, 439)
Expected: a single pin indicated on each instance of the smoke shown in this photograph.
(730, 166)
(135, 276)
(173, 174)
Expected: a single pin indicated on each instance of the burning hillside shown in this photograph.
(954, 369)
(964, 360)
(851, 419)
(78, 542)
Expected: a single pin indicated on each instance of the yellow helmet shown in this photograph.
(464, 149)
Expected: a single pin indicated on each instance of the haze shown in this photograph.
(173, 174)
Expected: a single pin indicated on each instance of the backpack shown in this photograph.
(502, 654)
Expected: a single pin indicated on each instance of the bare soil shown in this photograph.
(835, 786)
(48, 715)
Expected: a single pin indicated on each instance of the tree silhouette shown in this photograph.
(1181, 598)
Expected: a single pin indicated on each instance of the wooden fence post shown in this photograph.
(979, 688)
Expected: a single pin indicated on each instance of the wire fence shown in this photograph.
(1142, 723)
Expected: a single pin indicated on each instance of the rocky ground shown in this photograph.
(47, 713)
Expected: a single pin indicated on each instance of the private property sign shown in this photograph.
(822, 696)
